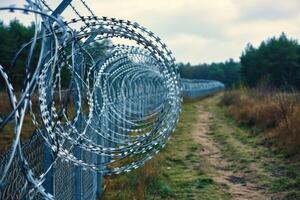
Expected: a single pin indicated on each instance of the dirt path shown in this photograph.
(218, 167)
(209, 157)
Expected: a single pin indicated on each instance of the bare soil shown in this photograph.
(218, 167)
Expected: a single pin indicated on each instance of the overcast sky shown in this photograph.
(200, 31)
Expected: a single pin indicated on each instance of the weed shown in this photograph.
(281, 184)
(277, 114)
(189, 156)
(203, 182)
(160, 188)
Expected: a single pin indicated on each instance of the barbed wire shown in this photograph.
(76, 11)
(119, 106)
(88, 8)
(46, 5)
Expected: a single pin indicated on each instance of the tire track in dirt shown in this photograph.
(218, 167)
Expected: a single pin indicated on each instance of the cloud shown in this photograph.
(256, 31)
(199, 30)
(190, 48)
(253, 10)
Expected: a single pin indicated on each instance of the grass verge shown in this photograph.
(267, 166)
(176, 173)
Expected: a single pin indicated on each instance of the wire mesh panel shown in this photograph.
(15, 184)
(64, 180)
(194, 88)
(97, 110)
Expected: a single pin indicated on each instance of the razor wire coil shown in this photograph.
(119, 107)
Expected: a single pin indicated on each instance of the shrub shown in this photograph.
(287, 134)
(277, 114)
(231, 97)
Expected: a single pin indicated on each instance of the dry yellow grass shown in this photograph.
(277, 114)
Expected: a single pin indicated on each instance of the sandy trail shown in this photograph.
(218, 167)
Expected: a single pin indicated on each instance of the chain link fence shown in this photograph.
(67, 181)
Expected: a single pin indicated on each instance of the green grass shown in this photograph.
(273, 171)
(180, 173)
(159, 188)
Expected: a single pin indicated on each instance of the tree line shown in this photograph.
(12, 37)
(275, 62)
(227, 72)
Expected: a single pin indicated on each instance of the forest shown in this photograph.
(227, 72)
(274, 63)
(12, 38)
